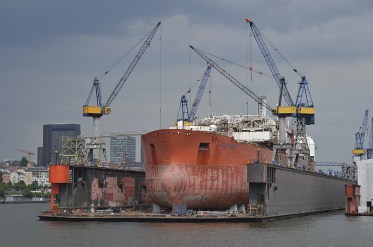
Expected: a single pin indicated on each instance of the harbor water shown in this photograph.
(19, 226)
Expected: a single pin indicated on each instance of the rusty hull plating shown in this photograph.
(202, 170)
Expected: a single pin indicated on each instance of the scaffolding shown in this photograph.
(74, 151)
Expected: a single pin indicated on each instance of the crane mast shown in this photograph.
(183, 114)
(303, 109)
(370, 148)
(358, 150)
(97, 110)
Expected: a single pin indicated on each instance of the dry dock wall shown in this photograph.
(284, 191)
(101, 187)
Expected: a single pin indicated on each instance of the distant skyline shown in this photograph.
(52, 50)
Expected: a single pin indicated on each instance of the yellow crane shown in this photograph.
(97, 109)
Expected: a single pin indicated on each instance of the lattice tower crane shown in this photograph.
(359, 151)
(370, 147)
(98, 109)
(303, 109)
(183, 114)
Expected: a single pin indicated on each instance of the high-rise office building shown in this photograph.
(52, 139)
(40, 157)
(123, 149)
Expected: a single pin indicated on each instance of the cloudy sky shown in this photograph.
(51, 50)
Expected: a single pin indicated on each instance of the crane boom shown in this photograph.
(129, 70)
(250, 93)
(270, 62)
(199, 94)
(359, 137)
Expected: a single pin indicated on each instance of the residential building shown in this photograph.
(28, 178)
(6, 178)
(40, 175)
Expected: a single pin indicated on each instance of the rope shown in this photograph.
(106, 71)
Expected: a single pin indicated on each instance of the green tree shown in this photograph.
(1, 177)
(20, 185)
(34, 186)
(46, 194)
(2, 190)
(27, 193)
(23, 161)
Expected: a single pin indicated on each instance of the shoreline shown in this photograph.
(22, 202)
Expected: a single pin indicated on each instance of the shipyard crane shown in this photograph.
(98, 109)
(370, 147)
(250, 93)
(183, 114)
(303, 109)
(271, 64)
(358, 150)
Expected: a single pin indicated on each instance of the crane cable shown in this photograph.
(280, 54)
(107, 71)
(238, 65)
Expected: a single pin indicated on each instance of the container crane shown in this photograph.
(370, 148)
(98, 109)
(183, 114)
(358, 150)
(303, 109)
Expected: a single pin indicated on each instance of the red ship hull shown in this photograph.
(200, 169)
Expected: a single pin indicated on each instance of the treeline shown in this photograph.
(21, 188)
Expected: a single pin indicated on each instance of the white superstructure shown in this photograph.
(243, 128)
(365, 180)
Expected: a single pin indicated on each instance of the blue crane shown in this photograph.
(245, 89)
(98, 109)
(303, 107)
(304, 103)
(359, 137)
(199, 94)
(370, 147)
(183, 114)
(271, 63)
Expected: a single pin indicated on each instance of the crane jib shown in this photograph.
(270, 62)
(129, 70)
(231, 78)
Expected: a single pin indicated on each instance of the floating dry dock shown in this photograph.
(168, 218)
(102, 194)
